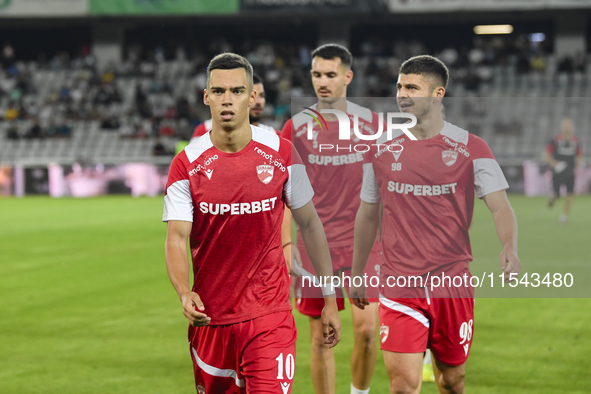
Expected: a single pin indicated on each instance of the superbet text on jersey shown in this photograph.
(236, 203)
(335, 172)
(427, 189)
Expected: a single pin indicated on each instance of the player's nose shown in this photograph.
(402, 93)
(227, 99)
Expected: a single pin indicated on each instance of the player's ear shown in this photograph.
(205, 97)
(440, 91)
(348, 76)
(253, 97)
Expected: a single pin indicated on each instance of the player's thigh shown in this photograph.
(365, 321)
(215, 361)
(269, 354)
(404, 371)
(452, 375)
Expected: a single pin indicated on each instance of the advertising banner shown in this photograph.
(43, 8)
(399, 6)
(166, 7)
(314, 6)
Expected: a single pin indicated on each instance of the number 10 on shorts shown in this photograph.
(289, 366)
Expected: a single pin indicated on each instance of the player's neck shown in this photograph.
(340, 104)
(255, 123)
(428, 128)
(231, 141)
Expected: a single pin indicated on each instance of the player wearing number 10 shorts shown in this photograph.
(226, 193)
(426, 183)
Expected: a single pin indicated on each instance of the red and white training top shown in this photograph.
(427, 190)
(202, 128)
(206, 126)
(236, 203)
(335, 174)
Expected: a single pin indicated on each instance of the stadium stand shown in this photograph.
(511, 94)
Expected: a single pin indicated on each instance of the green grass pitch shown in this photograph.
(86, 305)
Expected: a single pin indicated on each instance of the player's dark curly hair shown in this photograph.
(256, 79)
(331, 51)
(230, 61)
(428, 66)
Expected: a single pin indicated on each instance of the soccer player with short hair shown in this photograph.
(563, 154)
(255, 112)
(336, 177)
(225, 194)
(427, 188)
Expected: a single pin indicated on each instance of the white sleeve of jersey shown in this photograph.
(370, 190)
(488, 177)
(178, 204)
(298, 190)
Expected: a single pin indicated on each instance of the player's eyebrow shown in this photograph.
(407, 85)
(232, 88)
(326, 73)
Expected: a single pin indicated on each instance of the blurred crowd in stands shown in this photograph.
(159, 92)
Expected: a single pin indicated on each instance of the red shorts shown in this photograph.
(255, 356)
(444, 325)
(309, 299)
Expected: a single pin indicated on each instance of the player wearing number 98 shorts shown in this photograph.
(426, 181)
(226, 193)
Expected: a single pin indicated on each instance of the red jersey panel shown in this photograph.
(202, 128)
(427, 189)
(335, 175)
(236, 203)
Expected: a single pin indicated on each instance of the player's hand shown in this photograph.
(193, 310)
(560, 166)
(357, 295)
(331, 322)
(510, 263)
(295, 258)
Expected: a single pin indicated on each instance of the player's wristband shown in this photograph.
(328, 289)
(287, 243)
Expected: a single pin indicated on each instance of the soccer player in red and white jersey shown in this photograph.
(563, 154)
(225, 194)
(255, 113)
(427, 189)
(336, 177)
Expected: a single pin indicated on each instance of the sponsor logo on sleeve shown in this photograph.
(204, 166)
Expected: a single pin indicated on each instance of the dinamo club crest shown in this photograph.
(384, 331)
(200, 389)
(449, 157)
(265, 173)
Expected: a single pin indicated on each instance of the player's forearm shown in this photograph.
(506, 226)
(317, 247)
(177, 266)
(366, 228)
(549, 159)
(286, 227)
